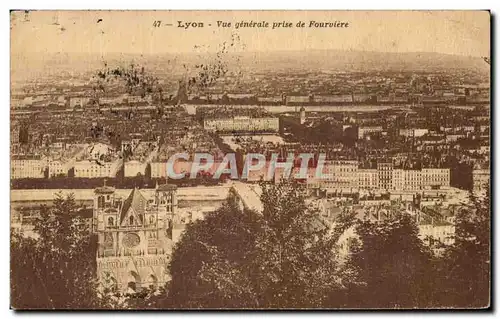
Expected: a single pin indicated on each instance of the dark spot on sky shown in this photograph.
(99, 20)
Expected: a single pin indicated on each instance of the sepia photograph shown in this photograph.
(250, 160)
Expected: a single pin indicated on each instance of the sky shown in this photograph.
(100, 32)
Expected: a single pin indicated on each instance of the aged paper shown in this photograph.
(250, 159)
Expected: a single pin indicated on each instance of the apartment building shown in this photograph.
(27, 167)
(97, 169)
(480, 180)
(242, 124)
(368, 178)
(435, 177)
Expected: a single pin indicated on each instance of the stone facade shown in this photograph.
(134, 243)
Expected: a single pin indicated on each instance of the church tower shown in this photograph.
(302, 115)
(134, 247)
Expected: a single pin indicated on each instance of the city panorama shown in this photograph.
(224, 167)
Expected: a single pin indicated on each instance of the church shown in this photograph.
(134, 237)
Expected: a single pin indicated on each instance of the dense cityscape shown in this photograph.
(415, 142)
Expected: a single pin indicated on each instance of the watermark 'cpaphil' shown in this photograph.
(302, 166)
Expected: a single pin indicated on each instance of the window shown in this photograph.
(151, 219)
(110, 221)
(131, 220)
(100, 201)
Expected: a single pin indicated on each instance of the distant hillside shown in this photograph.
(367, 61)
(334, 60)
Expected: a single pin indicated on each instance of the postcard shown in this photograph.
(255, 160)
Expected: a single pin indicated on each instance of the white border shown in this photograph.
(200, 4)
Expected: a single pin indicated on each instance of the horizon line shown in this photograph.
(243, 52)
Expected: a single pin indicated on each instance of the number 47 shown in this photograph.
(157, 23)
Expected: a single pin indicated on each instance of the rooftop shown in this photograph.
(166, 187)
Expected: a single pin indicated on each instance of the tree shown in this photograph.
(211, 263)
(466, 270)
(393, 268)
(56, 270)
(296, 264)
(282, 258)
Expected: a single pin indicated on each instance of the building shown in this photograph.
(63, 158)
(270, 99)
(435, 177)
(430, 232)
(398, 179)
(14, 133)
(78, 102)
(344, 174)
(97, 169)
(483, 150)
(480, 180)
(408, 180)
(27, 167)
(134, 168)
(430, 199)
(385, 175)
(158, 169)
(58, 168)
(333, 99)
(413, 132)
(111, 100)
(97, 161)
(364, 131)
(142, 153)
(368, 178)
(134, 247)
(337, 175)
(414, 180)
(242, 124)
(297, 99)
(449, 138)
(302, 115)
(180, 166)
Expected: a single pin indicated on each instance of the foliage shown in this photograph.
(296, 261)
(391, 267)
(467, 264)
(282, 258)
(211, 264)
(55, 270)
